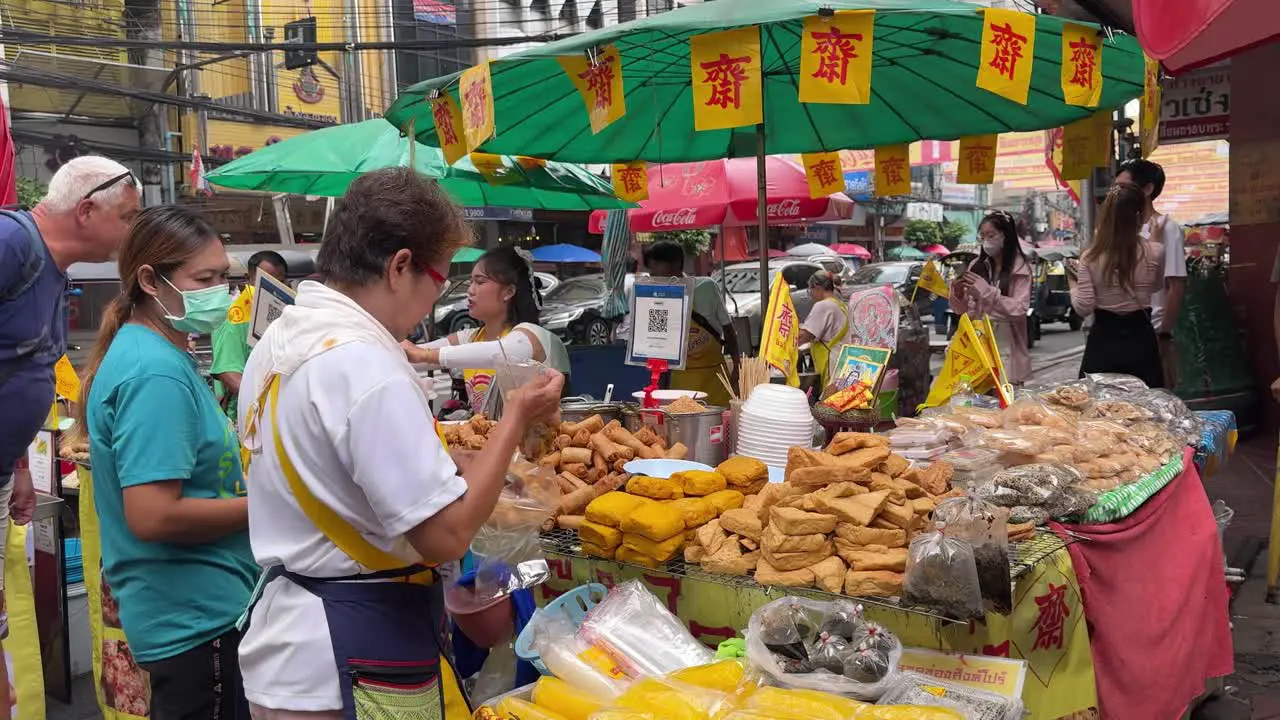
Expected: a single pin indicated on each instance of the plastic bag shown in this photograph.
(724, 676)
(800, 704)
(1076, 395)
(786, 621)
(640, 634)
(510, 376)
(842, 618)
(559, 696)
(829, 653)
(1031, 484)
(671, 700)
(943, 575)
(1024, 441)
(986, 527)
(507, 547)
(1034, 411)
(1108, 385)
(911, 688)
(582, 666)
(1173, 413)
(516, 709)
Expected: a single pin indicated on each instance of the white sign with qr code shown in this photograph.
(270, 298)
(660, 310)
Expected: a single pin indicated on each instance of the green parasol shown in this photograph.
(905, 252)
(467, 254)
(324, 162)
(924, 67)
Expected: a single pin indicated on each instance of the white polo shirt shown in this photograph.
(361, 435)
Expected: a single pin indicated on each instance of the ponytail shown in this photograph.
(118, 313)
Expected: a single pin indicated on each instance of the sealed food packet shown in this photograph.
(942, 575)
(801, 704)
(785, 628)
(559, 696)
(912, 688)
(641, 634)
(524, 710)
(986, 527)
(585, 668)
(510, 376)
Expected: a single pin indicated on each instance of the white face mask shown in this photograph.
(993, 248)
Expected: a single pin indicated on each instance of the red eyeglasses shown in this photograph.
(435, 275)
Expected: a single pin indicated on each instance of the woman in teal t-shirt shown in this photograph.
(168, 488)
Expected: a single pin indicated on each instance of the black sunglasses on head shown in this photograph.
(111, 182)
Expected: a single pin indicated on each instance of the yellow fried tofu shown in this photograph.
(700, 482)
(597, 551)
(599, 535)
(654, 488)
(660, 551)
(696, 511)
(726, 500)
(742, 471)
(656, 521)
(627, 555)
(612, 507)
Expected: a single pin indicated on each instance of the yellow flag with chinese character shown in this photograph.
(1081, 65)
(931, 279)
(968, 360)
(835, 57)
(631, 180)
(1149, 112)
(1086, 144)
(1008, 50)
(824, 173)
(66, 382)
(728, 89)
(494, 168)
(475, 88)
(599, 82)
(977, 162)
(893, 170)
(782, 333)
(448, 119)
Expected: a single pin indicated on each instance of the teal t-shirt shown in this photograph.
(151, 419)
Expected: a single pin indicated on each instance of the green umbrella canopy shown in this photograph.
(324, 162)
(903, 252)
(467, 254)
(924, 68)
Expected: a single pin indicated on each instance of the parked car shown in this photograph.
(450, 312)
(900, 274)
(741, 286)
(574, 310)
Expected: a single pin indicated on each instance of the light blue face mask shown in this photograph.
(203, 310)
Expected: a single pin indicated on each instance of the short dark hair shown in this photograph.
(382, 213)
(268, 256)
(1144, 173)
(664, 251)
(632, 264)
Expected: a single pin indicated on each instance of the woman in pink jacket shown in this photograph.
(998, 283)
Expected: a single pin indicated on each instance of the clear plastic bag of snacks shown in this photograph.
(912, 688)
(1033, 484)
(776, 629)
(640, 633)
(507, 548)
(942, 575)
(1173, 413)
(1110, 385)
(1072, 397)
(986, 527)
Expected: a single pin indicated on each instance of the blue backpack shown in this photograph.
(34, 263)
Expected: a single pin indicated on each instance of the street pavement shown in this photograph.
(1055, 357)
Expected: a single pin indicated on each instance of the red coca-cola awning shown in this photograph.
(690, 196)
(1185, 34)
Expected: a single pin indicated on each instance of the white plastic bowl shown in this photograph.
(782, 400)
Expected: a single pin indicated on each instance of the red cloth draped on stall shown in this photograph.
(1155, 599)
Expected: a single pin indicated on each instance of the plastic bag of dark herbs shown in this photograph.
(843, 618)
(825, 667)
(942, 575)
(986, 527)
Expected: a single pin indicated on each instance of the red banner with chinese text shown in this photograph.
(476, 90)
(835, 58)
(598, 80)
(1008, 50)
(448, 120)
(824, 174)
(977, 162)
(728, 89)
(1149, 111)
(1053, 161)
(893, 170)
(631, 181)
(1081, 65)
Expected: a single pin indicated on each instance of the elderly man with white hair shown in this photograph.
(84, 217)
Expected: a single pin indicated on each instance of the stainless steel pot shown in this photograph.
(704, 433)
(573, 410)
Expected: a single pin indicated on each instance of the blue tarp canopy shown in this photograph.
(564, 253)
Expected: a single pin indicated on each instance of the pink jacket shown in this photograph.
(1007, 311)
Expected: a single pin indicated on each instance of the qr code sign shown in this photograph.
(658, 319)
(273, 312)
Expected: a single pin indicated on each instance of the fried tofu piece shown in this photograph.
(696, 511)
(700, 482)
(856, 510)
(725, 500)
(741, 471)
(811, 477)
(654, 488)
(860, 536)
(828, 575)
(849, 441)
(873, 583)
(742, 522)
(793, 521)
(767, 575)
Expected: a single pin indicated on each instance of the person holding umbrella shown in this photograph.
(502, 296)
(998, 283)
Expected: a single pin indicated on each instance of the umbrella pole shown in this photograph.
(763, 220)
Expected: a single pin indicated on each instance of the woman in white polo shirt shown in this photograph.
(354, 496)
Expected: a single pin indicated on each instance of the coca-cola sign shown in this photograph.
(674, 218)
(788, 208)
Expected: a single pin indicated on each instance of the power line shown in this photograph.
(22, 37)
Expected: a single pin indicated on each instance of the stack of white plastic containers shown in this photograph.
(774, 419)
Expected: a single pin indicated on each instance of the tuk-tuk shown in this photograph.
(1052, 295)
